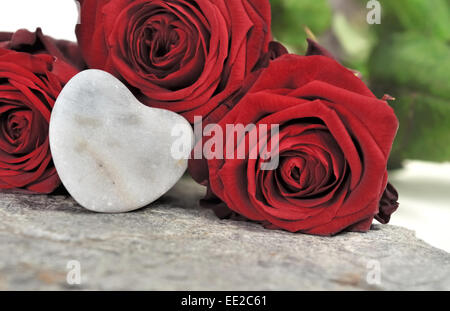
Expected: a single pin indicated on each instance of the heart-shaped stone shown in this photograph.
(112, 153)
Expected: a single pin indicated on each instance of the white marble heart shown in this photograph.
(112, 153)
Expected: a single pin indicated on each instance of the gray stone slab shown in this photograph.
(175, 245)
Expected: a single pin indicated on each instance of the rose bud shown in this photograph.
(334, 141)
(29, 86)
(388, 204)
(186, 56)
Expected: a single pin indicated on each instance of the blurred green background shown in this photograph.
(406, 56)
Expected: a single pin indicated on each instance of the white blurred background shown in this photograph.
(57, 18)
(424, 188)
(424, 191)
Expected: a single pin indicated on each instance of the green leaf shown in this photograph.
(429, 17)
(416, 70)
(424, 131)
(290, 16)
(414, 61)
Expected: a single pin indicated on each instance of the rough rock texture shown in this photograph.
(175, 245)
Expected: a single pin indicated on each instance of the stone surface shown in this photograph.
(114, 154)
(175, 245)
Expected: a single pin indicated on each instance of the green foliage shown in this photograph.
(424, 128)
(416, 69)
(290, 16)
(414, 61)
(429, 17)
(406, 56)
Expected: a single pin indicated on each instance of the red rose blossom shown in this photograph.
(334, 141)
(186, 56)
(30, 82)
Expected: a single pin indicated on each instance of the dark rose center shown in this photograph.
(301, 172)
(295, 173)
(307, 172)
(16, 125)
(164, 40)
(166, 45)
(160, 37)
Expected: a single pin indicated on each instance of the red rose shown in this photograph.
(68, 58)
(185, 56)
(29, 86)
(334, 138)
